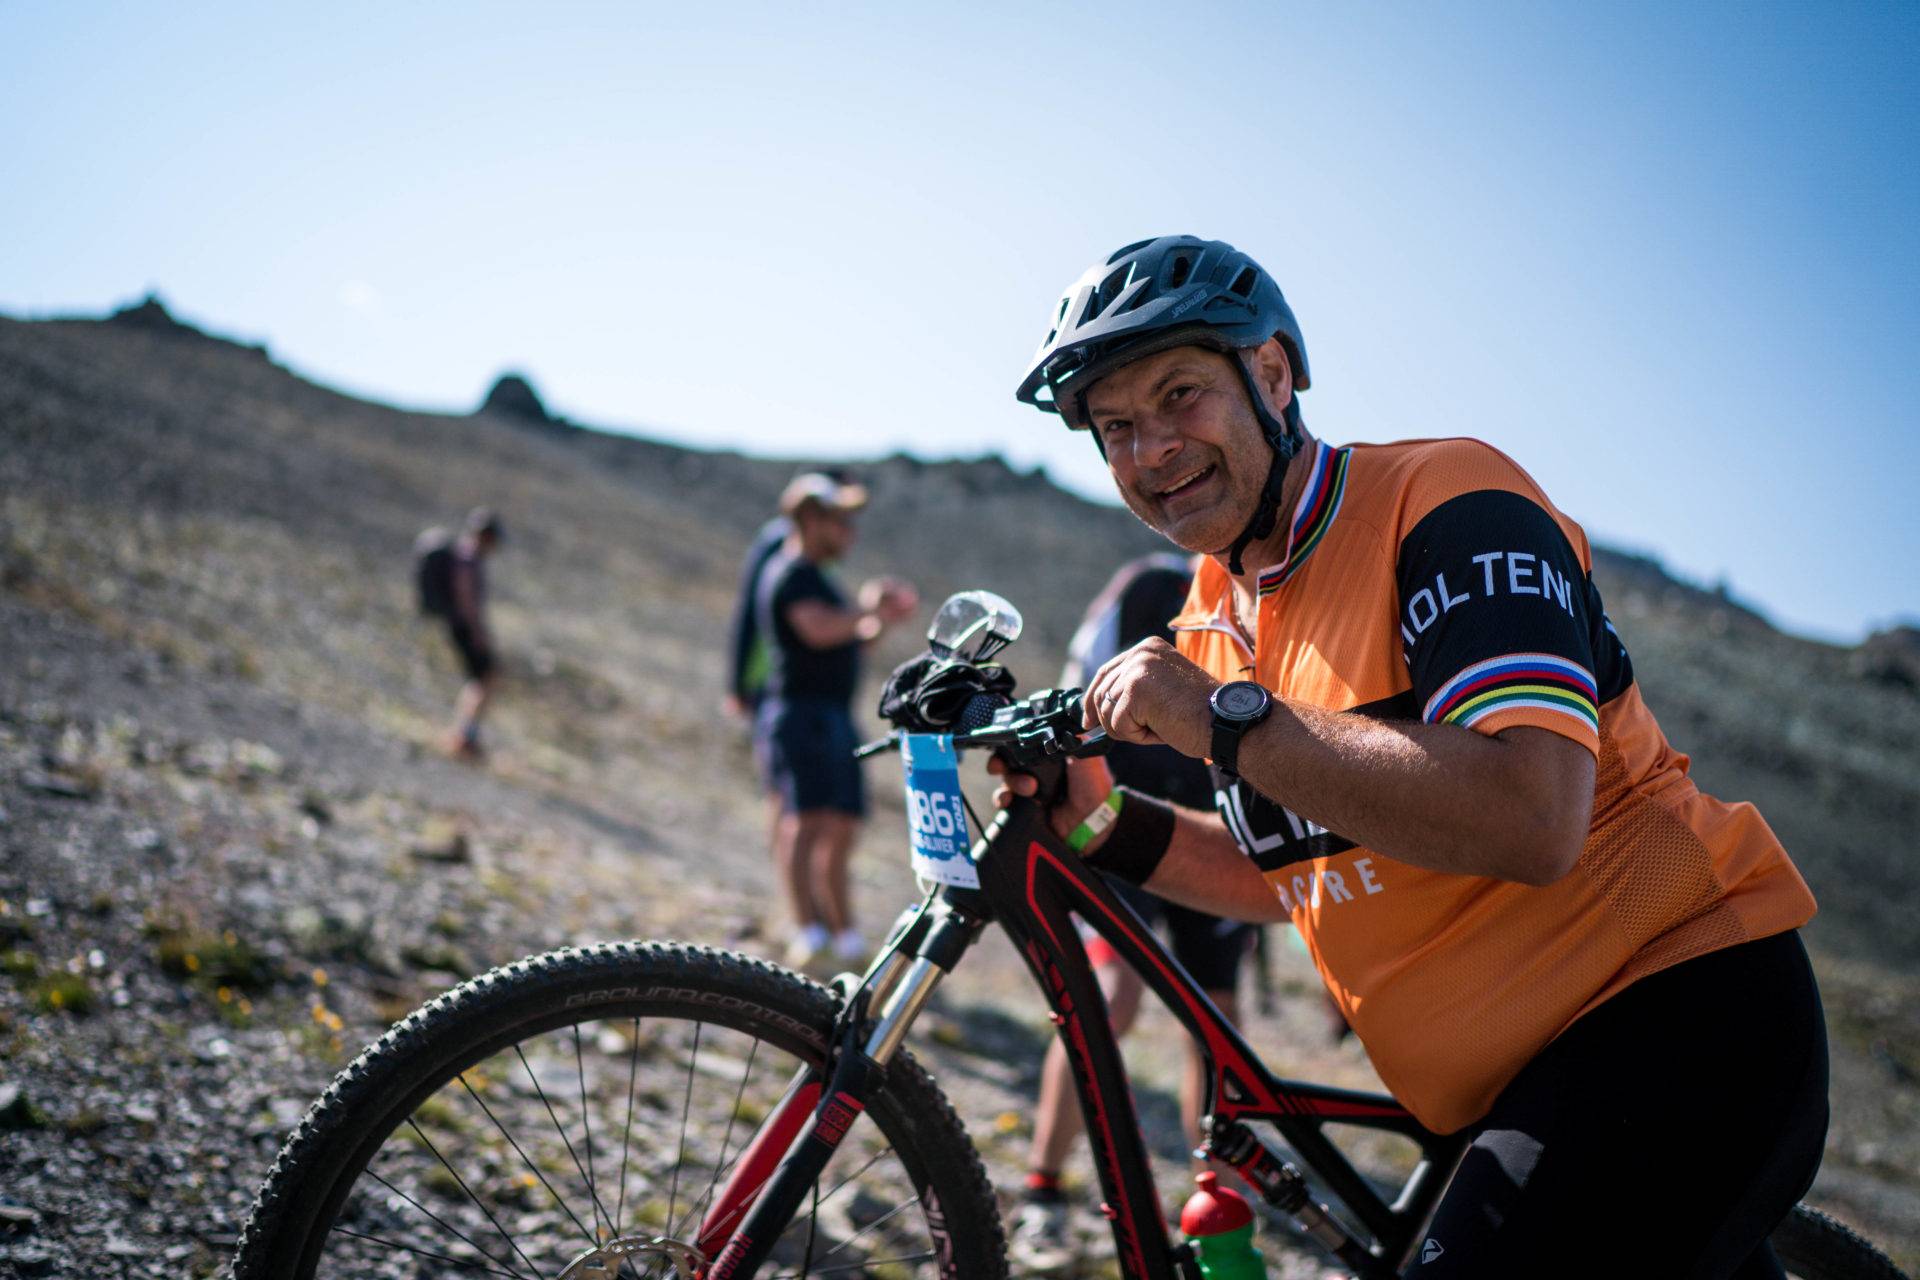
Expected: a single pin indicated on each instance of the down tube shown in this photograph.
(1247, 1089)
(1016, 875)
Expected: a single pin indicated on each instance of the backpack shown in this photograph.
(433, 572)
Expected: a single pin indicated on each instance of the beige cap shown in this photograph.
(816, 488)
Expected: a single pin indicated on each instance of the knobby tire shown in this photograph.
(554, 1103)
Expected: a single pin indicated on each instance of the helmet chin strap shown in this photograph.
(1283, 438)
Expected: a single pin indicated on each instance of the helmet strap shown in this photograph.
(1283, 439)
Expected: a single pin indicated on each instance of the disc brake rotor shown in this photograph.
(604, 1262)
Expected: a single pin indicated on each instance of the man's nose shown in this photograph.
(1155, 442)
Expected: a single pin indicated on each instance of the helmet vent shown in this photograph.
(1111, 288)
(1244, 282)
(1182, 268)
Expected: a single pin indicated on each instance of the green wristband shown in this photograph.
(1096, 822)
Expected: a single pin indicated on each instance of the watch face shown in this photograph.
(1240, 700)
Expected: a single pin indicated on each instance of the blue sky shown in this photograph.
(1663, 255)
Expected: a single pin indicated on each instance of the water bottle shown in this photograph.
(1220, 1226)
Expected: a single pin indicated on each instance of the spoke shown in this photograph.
(720, 1166)
(871, 1161)
(592, 1193)
(586, 1125)
(525, 1159)
(448, 1227)
(813, 1233)
(428, 1253)
(626, 1134)
(686, 1108)
(870, 1226)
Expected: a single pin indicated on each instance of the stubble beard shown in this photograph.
(1201, 541)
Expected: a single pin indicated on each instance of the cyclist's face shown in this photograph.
(1183, 445)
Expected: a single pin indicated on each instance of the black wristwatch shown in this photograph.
(1237, 705)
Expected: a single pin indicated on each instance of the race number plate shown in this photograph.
(936, 815)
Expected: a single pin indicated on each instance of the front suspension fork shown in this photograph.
(812, 1118)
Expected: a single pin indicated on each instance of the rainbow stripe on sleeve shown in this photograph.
(1532, 680)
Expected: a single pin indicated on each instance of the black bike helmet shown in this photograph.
(1152, 296)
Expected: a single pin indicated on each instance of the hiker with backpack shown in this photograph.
(451, 577)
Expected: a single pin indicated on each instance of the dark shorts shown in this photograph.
(1206, 946)
(806, 750)
(474, 660)
(1663, 1134)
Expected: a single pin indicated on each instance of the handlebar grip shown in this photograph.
(978, 713)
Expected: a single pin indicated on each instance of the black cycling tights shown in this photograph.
(1663, 1134)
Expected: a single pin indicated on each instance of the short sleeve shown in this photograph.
(1499, 618)
(801, 582)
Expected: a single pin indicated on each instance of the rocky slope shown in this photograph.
(227, 857)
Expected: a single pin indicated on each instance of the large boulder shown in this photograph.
(513, 396)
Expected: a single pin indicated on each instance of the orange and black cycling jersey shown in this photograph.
(1432, 581)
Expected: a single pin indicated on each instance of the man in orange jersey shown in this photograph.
(1432, 758)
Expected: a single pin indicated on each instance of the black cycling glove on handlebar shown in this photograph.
(928, 694)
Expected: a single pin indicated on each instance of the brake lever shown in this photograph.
(877, 747)
(1097, 743)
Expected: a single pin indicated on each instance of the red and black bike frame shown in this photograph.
(1032, 886)
(1035, 886)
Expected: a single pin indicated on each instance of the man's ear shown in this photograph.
(1273, 374)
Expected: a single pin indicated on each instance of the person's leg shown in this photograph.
(786, 732)
(1193, 1082)
(1664, 1133)
(1056, 1118)
(464, 738)
(1042, 1239)
(833, 848)
(846, 796)
(789, 856)
(471, 707)
(1212, 951)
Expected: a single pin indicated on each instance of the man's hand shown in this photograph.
(1088, 783)
(1152, 695)
(888, 599)
(891, 598)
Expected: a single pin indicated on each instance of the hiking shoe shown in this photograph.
(1043, 1242)
(457, 746)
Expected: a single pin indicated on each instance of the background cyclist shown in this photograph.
(1434, 760)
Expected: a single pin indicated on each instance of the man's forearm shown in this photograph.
(1204, 869)
(824, 626)
(1514, 806)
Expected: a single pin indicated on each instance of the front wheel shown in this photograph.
(573, 1115)
(1812, 1246)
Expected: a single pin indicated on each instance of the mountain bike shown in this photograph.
(661, 1110)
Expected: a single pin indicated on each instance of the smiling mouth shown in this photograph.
(1184, 483)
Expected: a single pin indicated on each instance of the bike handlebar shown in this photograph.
(1044, 726)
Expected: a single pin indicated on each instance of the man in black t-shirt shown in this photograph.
(804, 726)
(747, 647)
